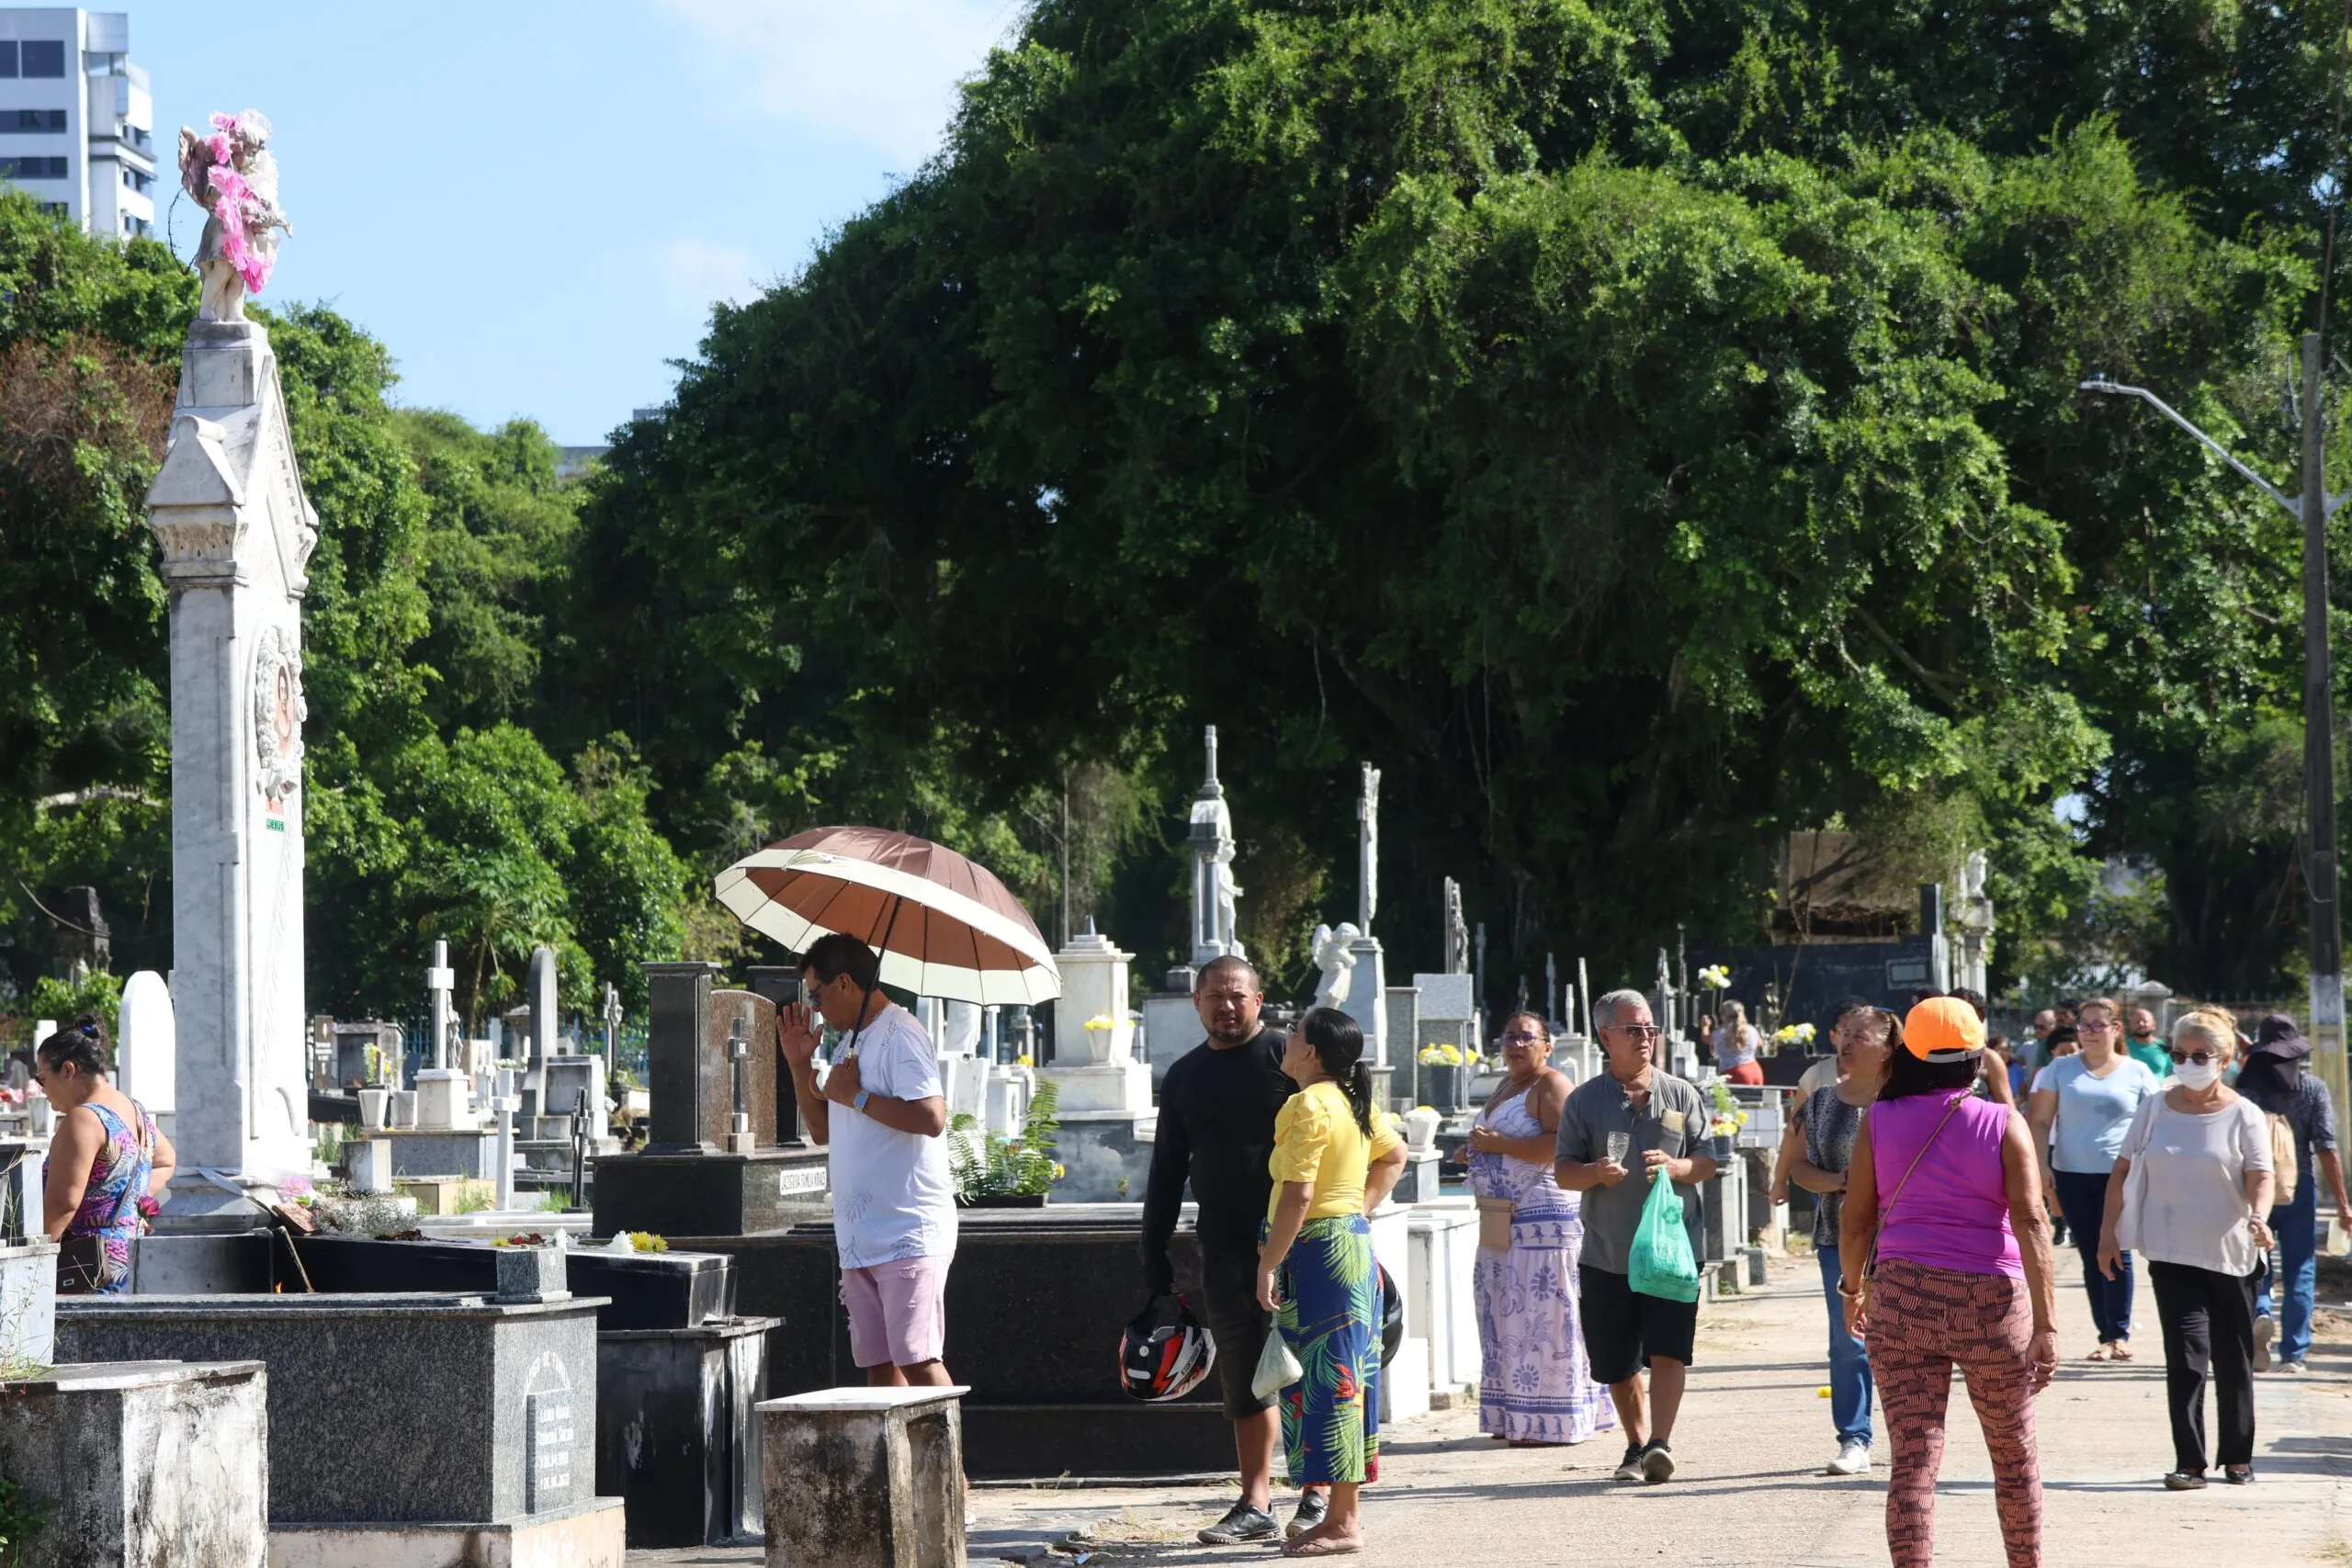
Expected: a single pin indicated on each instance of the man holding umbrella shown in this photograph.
(862, 905)
(881, 1113)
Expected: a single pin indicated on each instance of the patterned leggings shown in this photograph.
(1922, 1320)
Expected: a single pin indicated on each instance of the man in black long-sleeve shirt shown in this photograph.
(1217, 1107)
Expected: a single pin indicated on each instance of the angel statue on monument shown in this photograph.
(1335, 957)
(230, 175)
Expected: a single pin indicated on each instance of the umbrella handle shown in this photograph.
(898, 900)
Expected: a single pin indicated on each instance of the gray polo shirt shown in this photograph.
(1674, 1121)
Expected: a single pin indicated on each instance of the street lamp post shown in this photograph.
(2313, 508)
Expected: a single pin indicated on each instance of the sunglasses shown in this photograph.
(1638, 1031)
(2199, 1057)
(1520, 1037)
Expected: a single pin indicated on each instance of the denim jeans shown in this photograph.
(2082, 1196)
(1850, 1363)
(2296, 1224)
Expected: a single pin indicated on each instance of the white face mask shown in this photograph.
(2196, 1074)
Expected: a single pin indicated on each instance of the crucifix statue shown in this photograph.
(1457, 932)
(612, 1023)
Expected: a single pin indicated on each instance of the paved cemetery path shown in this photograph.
(1751, 1443)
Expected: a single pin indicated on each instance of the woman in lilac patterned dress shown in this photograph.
(107, 1164)
(1537, 1388)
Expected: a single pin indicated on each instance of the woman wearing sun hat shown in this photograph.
(2275, 1079)
(1945, 1254)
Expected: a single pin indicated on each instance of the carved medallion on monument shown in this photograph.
(278, 713)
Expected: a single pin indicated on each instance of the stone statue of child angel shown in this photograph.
(230, 175)
(1335, 957)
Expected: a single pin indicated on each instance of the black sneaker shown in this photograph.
(1657, 1463)
(1312, 1507)
(1630, 1466)
(1242, 1523)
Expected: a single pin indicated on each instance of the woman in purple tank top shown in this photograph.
(1947, 1190)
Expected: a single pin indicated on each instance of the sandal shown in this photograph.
(1320, 1546)
(2119, 1351)
(2098, 1354)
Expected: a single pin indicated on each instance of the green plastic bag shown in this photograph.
(1660, 1263)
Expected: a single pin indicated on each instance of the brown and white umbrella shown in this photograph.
(944, 927)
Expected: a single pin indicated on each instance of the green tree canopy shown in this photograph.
(1640, 430)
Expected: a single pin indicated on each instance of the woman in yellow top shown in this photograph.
(1335, 1159)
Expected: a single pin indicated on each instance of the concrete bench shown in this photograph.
(864, 1478)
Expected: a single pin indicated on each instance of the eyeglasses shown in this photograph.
(1520, 1037)
(2093, 1026)
(1638, 1031)
(2199, 1057)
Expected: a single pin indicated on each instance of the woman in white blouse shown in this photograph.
(2191, 1194)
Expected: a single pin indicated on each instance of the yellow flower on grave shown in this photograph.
(1023, 1061)
(1101, 1020)
(1058, 1171)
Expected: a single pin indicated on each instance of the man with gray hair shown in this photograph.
(1633, 1110)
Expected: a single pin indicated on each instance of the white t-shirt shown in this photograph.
(894, 1196)
(2186, 1200)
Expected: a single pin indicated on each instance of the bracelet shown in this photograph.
(1853, 1295)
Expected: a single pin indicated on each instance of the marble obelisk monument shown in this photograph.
(236, 531)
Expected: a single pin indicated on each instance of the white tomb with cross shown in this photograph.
(445, 1101)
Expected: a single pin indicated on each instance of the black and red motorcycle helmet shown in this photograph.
(1159, 1362)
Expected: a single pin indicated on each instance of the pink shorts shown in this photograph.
(896, 1312)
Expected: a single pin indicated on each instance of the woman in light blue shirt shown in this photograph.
(2081, 1107)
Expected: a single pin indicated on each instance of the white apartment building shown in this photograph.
(77, 124)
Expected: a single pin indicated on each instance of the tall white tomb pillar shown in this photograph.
(1367, 992)
(236, 532)
(1215, 896)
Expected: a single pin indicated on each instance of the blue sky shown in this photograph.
(535, 203)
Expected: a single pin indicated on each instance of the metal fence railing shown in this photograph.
(628, 1051)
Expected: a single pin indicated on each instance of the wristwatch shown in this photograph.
(863, 1096)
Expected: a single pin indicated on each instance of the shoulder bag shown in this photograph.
(2129, 1215)
(1870, 1262)
(2285, 1168)
(1495, 1213)
(82, 1268)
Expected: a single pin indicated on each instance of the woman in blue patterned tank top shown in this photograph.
(107, 1165)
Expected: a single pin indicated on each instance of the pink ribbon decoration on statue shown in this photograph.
(230, 195)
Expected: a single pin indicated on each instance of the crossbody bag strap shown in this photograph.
(129, 1197)
(1886, 1210)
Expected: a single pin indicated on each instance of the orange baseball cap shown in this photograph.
(1942, 1030)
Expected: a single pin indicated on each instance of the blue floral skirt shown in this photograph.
(1330, 1317)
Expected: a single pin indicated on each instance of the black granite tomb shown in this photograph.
(682, 1184)
(1037, 1300)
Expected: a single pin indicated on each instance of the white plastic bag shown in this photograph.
(1277, 1367)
